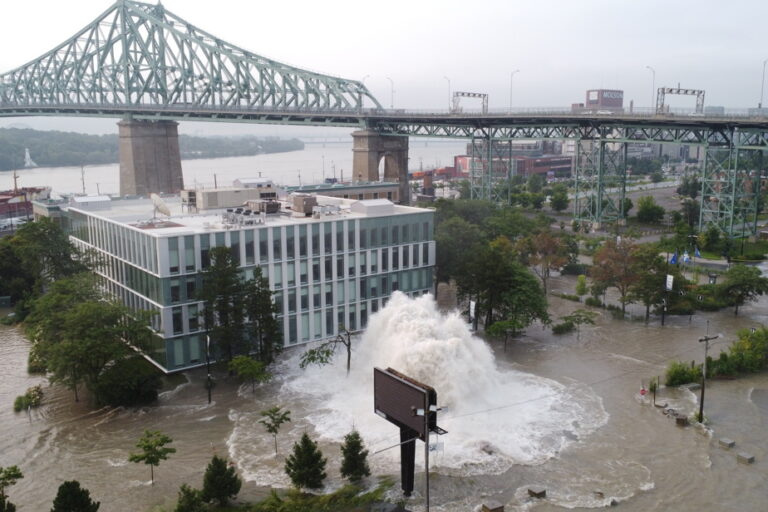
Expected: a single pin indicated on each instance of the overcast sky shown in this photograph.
(561, 47)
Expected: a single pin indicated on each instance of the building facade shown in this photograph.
(334, 267)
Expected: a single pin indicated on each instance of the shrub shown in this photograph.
(190, 500)
(594, 302)
(32, 398)
(681, 373)
(574, 269)
(73, 498)
(563, 327)
(568, 296)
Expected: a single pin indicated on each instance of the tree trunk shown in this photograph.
(152, 473)
(647, 312)
(275, 437)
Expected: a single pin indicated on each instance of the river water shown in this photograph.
(561, 413)
(310, 165)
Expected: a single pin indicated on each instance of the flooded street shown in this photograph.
(563, 413)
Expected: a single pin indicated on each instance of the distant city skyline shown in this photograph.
(421, 49)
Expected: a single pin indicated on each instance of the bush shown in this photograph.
(35, 362)
(750, 256)
(32, 398)
(73, 498)
(568, 296)
(129, 382)
(190, 500)
(574, 269)
(563, 327)
(681, 373)
(594, 302)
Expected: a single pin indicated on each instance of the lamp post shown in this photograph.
(511, 77)
(762, 85)
(653, 87)
(365, 78)
(392, 93)
(449, 92)
(705, 340)
(208, 364)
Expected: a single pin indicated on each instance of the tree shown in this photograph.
(628, 205)
(580, 317)
(153, 450)
(690, 212)
(248, 368)
(544, 253)
(581, 285)
(190, 500)
(220, 482)
(651, 271)
(8, 477)
(6, 505)
(261, 310)
(648, 211)
(559, 199)
(223, 294)
(354, 462)
(272, 419)
(743, 284)
(614, 266)
(535, 183)
(455, 239)
(657, 177)
(73, 498)
(322, 354)
(306, 465)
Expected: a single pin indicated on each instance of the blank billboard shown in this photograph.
(396, 398)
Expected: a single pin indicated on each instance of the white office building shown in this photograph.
(335, 266)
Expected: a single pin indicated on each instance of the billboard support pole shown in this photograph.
(426, 450)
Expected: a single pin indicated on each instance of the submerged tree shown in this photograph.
(220, 482)
(324, 352)
(73, 498)
(306, 465)
(249, 369)
(743, 284)
(354, 462)
(272, 419)
(153, 450)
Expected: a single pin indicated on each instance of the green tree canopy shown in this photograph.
(153, 450)
(9, 476)
(354, 460)
(272, 419)
(73, 498)
(614, 266)
(743, 284)
(306, 465)
(648, 211)
(249, 369)
(220, 482)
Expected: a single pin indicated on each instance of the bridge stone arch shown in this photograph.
(370, 148)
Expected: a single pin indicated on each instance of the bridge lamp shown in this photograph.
(762, 85)
(653, 85)
(392, 93)
(366, 77)
(449, 92)
(511, 77)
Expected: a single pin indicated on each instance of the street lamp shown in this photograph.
(365, 78)
(392, 93)
(762, 85)
(653, 86)
(449, 92)
(511, 76)
(208, 364)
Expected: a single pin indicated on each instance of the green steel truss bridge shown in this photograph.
(140, 61)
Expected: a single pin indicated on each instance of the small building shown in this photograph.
(335, 266)
(356, 190)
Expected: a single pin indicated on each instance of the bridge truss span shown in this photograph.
(138, 54)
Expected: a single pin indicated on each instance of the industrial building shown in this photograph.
(330, 261)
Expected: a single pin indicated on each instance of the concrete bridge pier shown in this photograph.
(150, 160)
(369, 148)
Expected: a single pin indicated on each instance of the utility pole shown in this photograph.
(706, 339)
(208, 364)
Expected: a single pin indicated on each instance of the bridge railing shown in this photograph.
(202, 110)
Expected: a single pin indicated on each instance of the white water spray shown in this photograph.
(495, 418)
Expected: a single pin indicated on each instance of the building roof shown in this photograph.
(140, 214)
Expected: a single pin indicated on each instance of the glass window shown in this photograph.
(193, 320)
(385, 259)
(178, 352)
(277, 297)
(205, 254)
(290, 244)
(362, 260)
(250, 253)
(384, 236)
(339, 237)
(178, 326)
(374, 261)
(352, 318)
(290, 278)
(352, 291)
(292, 300)
(292, 334)
(278, 275)
(374, 237)
(173, 254)
(316, 296)
(363, 314)
(277, 244)
(318, 327)
(350, 236)
(339, 266)
(175, 290)
(340, 292)
(263, 247)
(329, 322)
(304, 298)
(328, 294)
(315, 239)
(363, 238)
(303, 272)
(189, 253)
(234, 246)
(351, 265)
(340, 320)
(406, 256)
(425, 230)
(327, 237)
(328, 264)
(363, 288)
(404, 229)
(395, 258)
(194, 349)
(315, 270)
(425, 253)
(303, 241)
(305, 327)
(384, 285)
(395, 235)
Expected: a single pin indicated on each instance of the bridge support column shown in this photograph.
(369, 148)
(150, 160)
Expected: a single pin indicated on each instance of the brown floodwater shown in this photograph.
(632, 453)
